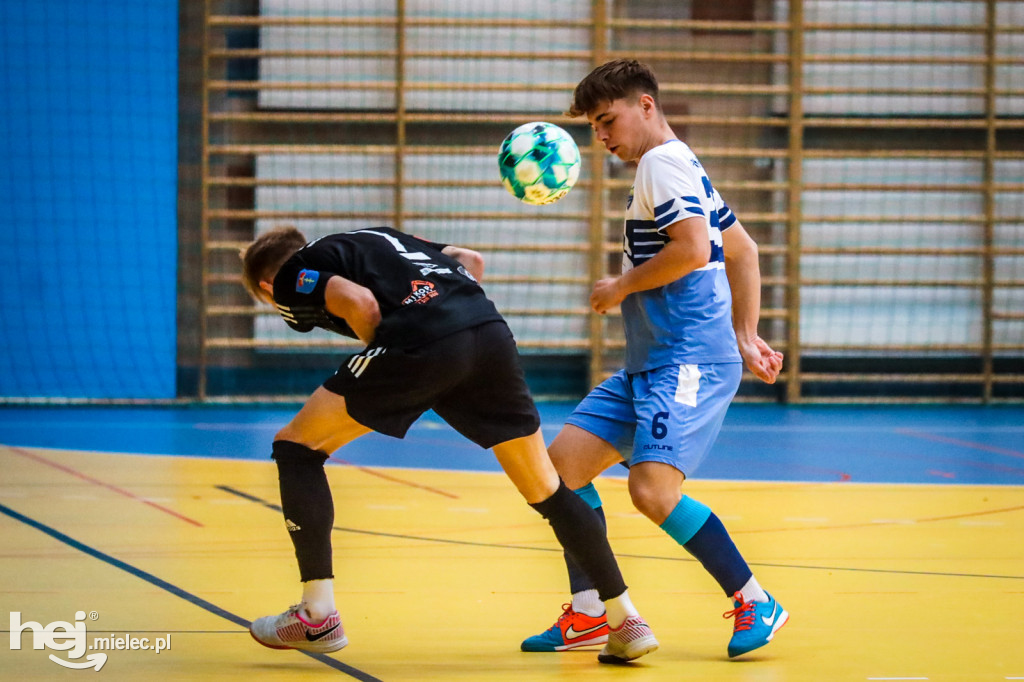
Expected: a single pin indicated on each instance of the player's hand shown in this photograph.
(606, 295)
(760, 359)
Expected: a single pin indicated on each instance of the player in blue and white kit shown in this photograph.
(690, 298)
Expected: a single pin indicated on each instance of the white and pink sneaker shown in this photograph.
(630, 640)
(292, 630)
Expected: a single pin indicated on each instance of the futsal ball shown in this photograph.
(539, 163)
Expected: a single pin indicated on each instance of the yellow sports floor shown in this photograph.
(440, 575)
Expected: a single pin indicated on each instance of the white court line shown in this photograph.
(897, 678)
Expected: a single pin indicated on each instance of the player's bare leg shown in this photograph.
(579, 457)
(581, 533)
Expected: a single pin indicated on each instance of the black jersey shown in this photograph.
(422, 293)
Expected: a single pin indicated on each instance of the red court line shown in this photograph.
(970, 514)
(873, 524)
(95, 481)
(393, 479)
(963, 443)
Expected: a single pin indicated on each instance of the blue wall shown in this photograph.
(88, 173)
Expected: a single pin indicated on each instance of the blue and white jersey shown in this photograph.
(690, 320)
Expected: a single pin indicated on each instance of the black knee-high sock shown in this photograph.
(308, 507)
(579, 529)
(578, 580)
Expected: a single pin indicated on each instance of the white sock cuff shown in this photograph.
(587, 602)
(753, 591)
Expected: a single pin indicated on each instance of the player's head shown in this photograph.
(264, 257)
(617, 79)
(620, 100)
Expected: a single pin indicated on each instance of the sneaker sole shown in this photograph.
(336, 646)
(554, 649)
(636, 649)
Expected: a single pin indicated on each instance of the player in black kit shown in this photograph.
(433, 341)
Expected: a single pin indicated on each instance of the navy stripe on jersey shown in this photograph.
(693, 205)
(717, 253)
(643, 240)
(666, 213)
(725, 217)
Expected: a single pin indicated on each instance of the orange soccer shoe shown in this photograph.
(571, 631)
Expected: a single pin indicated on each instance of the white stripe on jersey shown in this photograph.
(410, 255)
(286, 313)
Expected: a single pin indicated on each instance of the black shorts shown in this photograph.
(472, 379)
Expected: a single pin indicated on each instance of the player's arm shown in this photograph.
(355, 304)
(470, 259)
(744, 273)
(688, 248)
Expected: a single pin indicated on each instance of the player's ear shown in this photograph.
(647, 104)
(269, 289)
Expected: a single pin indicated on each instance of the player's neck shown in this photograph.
(659, 136)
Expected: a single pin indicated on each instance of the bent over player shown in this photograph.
(433, 341)
(687, 336)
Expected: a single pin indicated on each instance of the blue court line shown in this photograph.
(973, 445)
(173, 589)
(497, 545)
(400, 536)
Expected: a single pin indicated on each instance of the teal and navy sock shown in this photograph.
(701, 533)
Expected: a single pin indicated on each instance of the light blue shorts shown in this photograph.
(670, 414)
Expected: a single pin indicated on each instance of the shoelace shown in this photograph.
(566, 611)
(744, 614)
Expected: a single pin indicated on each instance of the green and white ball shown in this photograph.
(539, 163)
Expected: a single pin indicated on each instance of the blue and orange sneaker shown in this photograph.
(755, 623)
(572, 630)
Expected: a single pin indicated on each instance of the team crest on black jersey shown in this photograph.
(422, 292)
(307, 281)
